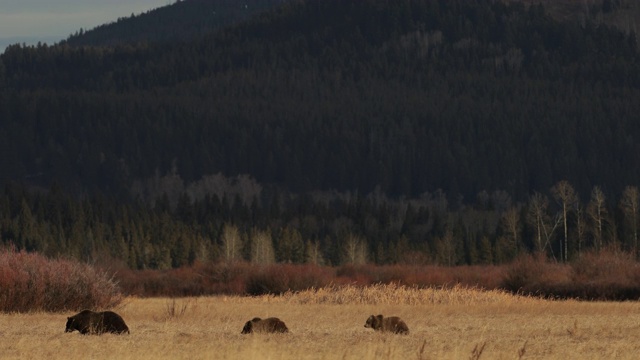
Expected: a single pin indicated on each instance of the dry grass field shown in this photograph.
(329, 324)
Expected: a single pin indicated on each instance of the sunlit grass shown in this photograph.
(328, 323)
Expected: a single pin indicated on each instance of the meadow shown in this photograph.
(328, 323)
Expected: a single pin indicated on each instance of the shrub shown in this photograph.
(487, 277)
(606, 266)
(31, 282)
(601, 276)
(196, 280)
(534, 275)
(607, 275)
(277, 279)
(230, 279)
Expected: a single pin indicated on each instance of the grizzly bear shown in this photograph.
(270, 325)
(393, 324)
(90, 322)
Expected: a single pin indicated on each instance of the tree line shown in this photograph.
(269, 226)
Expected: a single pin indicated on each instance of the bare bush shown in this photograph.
(607, 275)
(31, 282)
(534, 275)
(176, 308)
(281, 278)
(601, 276)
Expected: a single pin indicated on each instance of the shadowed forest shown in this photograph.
(338, 133)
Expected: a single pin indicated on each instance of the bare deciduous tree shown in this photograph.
(313, 253)
(630, 202)
(262, 248)
(511, 223)
(355, 250)
(231, 243)
(543, 225)
(581, 226)
(597, 210)
(446, 249)
(565, 195)
(536, 216)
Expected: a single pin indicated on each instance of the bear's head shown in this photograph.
(71, 325)
(374, 322)
(248, 326)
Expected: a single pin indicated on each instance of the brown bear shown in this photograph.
(270, 325)
(393, 324)
(90, 322)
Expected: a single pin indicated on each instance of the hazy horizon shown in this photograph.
(33, 21)
(28, 40)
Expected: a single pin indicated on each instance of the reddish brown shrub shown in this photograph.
(31, 282)
(355, 275)
(193, 280)
(534, 275)
(612, 276)
(277, 279)
(606, 266)
(236, 278)
(606, 275)
(487, 277)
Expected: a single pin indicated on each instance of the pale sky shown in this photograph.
(50, 21)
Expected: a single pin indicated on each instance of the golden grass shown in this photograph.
(394, 294)
(328, 323)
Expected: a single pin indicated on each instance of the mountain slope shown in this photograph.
(401, 96)
(181, 21)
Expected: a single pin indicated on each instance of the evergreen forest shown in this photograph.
(328, 132)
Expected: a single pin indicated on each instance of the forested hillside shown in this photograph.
(182, 21)
(408, 97)
(490, 106)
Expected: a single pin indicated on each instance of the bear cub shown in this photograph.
(270, 325)
(392, 324)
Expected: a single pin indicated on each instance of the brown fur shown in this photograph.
(90, 322)
(393, 324)
(270, 325)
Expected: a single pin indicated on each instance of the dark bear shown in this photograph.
(393, 324)
(270, 325)
(90, 322)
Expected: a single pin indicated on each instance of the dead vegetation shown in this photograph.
(454, 323)
(395, 294)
